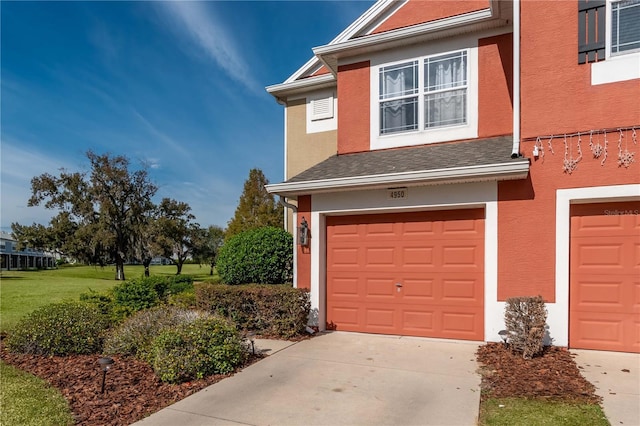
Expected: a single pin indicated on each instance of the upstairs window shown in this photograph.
(445, 102)
(625, 26)
(425, 93)
(399, 98)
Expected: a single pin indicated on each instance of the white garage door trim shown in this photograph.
(558, 318)
(470, 195)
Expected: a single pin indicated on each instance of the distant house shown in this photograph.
(161, 261)
(443, 156)
(28, 258)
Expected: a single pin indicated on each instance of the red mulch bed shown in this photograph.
(553, 375)
(132, 390)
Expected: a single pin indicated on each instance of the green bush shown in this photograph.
(261, 255)
(103, 301)
(135, 295)
(197, 349)
(179, 284)
(271, 310)
(60, 329)
(136, 334)
(185, 299)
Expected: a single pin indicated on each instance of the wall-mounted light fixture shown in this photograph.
(303, 233)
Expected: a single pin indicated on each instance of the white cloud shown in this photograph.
(206, 31)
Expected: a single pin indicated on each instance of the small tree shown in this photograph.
(208, 245)
(176, 233)
(256, 207)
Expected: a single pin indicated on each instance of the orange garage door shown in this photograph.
(416, 274)
(605, 277)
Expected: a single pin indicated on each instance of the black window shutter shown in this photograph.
(591, 30)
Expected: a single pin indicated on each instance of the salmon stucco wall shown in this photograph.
(353, 106)
(526, 231)
(303, 253)
(417, 12)
(495, 85)
(557, 95)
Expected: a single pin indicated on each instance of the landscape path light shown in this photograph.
(105, 364)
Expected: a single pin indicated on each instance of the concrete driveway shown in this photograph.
(342, 379)
(616, 377)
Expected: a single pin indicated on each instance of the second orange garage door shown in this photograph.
(415, 274)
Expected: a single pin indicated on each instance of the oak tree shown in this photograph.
(101, 212)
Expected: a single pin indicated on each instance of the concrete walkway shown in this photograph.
(341, 379)
(616, 377)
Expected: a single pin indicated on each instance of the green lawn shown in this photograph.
(23, 291)
(536, 412)
(28, 400)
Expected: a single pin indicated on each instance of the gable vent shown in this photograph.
(322, 108)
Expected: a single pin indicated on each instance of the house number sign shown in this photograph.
(398, 193)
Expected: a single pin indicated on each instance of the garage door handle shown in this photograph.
(398, 284)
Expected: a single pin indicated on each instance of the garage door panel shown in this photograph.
(381, 318)
(343, 286)
(377, 288)
(604, 295)
(418, 322)
(460, 291)
(418, 256)
(346, 316)
(380, 256)
(440, 277)
(343, 257)
(418, 290)
(461, 256)
(460, 324)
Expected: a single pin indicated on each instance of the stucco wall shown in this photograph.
(305, 150)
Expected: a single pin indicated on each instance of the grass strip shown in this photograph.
(539, 412)
(30, 401)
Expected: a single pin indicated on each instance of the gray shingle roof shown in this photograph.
(477, 152)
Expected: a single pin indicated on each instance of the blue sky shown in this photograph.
(176, 85)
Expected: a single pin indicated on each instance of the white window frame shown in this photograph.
(424, 135)
(609, 31)
(618, 67)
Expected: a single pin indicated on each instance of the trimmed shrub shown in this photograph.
(272, 310)
(185, 299)
(197, 349)
(261, 255)
(135, 295)
(62, 328)
(103, 301)
(525, 319)
(136, 334)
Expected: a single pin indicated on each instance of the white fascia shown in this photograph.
(502, 171)
(301, 86)
(329, 54)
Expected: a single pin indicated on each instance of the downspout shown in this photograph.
(515, 153)
(286, 204)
